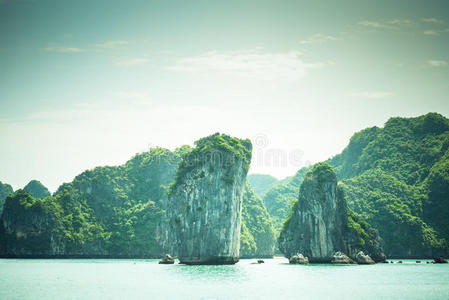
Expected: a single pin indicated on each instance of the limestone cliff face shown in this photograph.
(321, 223)
(205, 201)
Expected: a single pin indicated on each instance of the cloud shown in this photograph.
(431, 32)
(374, 24)
(110, 44)
(436, 63)
(132, 62)
(64, 49)
(401, 22)
(433, 21)
(253, 64)
(372, 94)
(319, 39)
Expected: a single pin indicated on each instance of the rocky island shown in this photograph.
(321, 224)
(205, 201)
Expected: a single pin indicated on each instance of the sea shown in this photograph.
(274, 279)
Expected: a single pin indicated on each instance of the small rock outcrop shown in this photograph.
(341, 258)
(205, 201)
(167, 260)
(298, 259)
(439, 260)
(363, 259)
(321, 223)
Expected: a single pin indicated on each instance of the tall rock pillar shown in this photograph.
(205, 201)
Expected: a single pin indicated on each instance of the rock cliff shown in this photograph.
(321, 224)
(205, 201)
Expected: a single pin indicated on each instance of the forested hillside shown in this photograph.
(261, 183)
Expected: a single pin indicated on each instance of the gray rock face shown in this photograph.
(321, 223)
(341, 258)
(298, 259)
(363, 259)
(205, 201)
(167, 260)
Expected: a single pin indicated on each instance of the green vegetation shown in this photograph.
(261, 183)
(37, 189)
(215, 150)
(257, 234)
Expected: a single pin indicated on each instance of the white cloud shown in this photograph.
(433, 21)
(401, 22)
(374, 24)
(64, 49)
(110, 44)
(249, 63)
(431, 32)
(372, 94)
(132, 62)
(319, 39)
(436, 63)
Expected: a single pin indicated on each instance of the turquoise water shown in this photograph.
(276, 279)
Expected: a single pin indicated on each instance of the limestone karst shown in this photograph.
(205, 201)
(321, 223)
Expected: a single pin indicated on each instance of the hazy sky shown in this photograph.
(89, 83)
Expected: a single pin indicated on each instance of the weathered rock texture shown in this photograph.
(321, 224)
(341, 258)
(205, 201)
(167, 260)
(298, 259)
(363, 259)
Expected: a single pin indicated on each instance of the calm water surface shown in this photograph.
(276, 279)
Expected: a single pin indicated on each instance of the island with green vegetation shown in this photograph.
(397, 179)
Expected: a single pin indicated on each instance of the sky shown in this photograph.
(92, 83)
